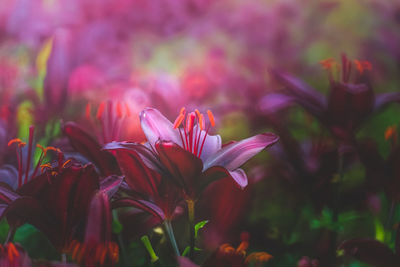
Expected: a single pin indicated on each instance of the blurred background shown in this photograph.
(61, 60)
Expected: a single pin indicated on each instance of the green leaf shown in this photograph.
(198, 226)
(187, 249)
(116, 227)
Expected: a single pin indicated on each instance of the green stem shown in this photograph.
(147, 244)
(170, 232)
(120, 241)
(190, 204)
(390, 215)
(336, 201)
(10, 235)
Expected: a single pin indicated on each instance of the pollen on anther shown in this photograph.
(211, 118)
(15, 140)
(179, 120)
(362, 65)
(190, 122)
(327, 63)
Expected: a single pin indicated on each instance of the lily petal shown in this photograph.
(140, 204)
(157, 127)
(111, 184)
(140, 178)
(90, 148)
(240, 178)
(181, 164)
(98, 227)
(306, 96)
(210, 175)
(212, 144)
(275, 102)
(236, 154)
(145, 153)
(7, 195)
(384, 99)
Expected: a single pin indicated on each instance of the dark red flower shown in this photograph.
(350, 102)
(97, 249)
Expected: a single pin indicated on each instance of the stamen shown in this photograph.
(45, 166)
(201, 122)
(113, 251)
(88, 111)
(127, 109)
(362, 65)
(75, 250)
(179, 120)
(244, 245)
(65, 163)
(328, 63)
(211, 118)
(258, 257)
(119, 110)
(190, 122)
(100, 111)
(227, 249)
(13, 141)
(367, 65)
(12, 251)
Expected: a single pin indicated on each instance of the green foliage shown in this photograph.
(29, 237)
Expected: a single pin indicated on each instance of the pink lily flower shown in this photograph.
(185, 150)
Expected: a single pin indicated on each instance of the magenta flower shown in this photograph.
(193, 142)
(189, 152)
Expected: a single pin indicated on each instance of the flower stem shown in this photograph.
(10, 235)
(170, 232)
(64, 258)
(147, 244)
(121, 242)
(336, 201)
(190, 204)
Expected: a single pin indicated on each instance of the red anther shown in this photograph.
(359, 66)
(362, 65)
(243, 246)
(190, 122)
(183, 110)
(75, 250)
(367, 65)
(226, 249)
(12, 251)
(100, 111)
(179, 120)
(258, 257)
(127, 109)
(88, 111)
(202, 123)
(113, 251)
(119, 110)
(13, 141)
(327, 63)
(211, 118)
